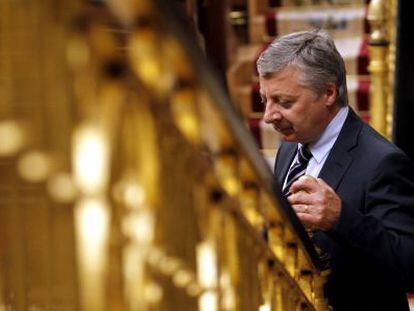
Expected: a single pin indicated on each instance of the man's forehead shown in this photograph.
(278, 82)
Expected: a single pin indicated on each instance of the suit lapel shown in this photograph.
(340, 158)
(335, 167)
(286, 154)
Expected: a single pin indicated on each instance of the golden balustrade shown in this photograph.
(382, 47)
(128, 181)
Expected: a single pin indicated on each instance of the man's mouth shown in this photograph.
(283, 130)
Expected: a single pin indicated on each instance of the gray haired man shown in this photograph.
(360, 202)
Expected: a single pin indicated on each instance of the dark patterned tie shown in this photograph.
(298, 168)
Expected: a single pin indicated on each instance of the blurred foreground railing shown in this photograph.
(128, 181)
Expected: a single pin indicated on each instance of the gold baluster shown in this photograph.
(391, 25)
(378, 66)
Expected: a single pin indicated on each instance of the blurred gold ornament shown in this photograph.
(169, 265)
(61, 188)
(155, 256)
(182, 278)
(180, 65)
(92, 218)
(103, 43)
(228, 293)
(77, 53)
(207, 265)
(134, 195)
(153, 293)
(194, 289)
(139, 226)
(91, 159)
(12, 137)
(142, 6)
(129, 192)
(226, 170)
(34, 166)
(265, 307)
(208, 301)
(123, 9)
(183, 110)
(152, 69)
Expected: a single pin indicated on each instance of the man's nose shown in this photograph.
(271, 114)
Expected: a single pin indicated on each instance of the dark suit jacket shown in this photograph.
(372, 246)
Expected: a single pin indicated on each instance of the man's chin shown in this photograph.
(289, 136)
(292, 138)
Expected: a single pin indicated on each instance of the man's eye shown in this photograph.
(285, 103)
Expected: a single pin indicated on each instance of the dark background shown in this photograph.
(403, 134)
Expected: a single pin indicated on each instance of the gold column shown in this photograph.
(378, 66)
(392, 28)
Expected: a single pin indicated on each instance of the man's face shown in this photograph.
(295, 111)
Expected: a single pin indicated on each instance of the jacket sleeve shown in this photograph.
(384, 231)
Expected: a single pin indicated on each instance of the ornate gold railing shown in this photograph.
(128, 181)
(382, 17)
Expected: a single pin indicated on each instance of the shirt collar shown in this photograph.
(323, 145)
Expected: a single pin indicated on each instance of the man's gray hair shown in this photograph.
(314, 54)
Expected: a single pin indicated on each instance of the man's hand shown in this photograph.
(315, 203)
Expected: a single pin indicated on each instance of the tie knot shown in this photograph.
(304, 154)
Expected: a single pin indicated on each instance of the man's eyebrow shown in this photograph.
(281, 94)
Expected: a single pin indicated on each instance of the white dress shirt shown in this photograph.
(320, 149)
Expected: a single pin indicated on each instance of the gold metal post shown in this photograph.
(378, 66)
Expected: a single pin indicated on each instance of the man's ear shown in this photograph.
(331, 94)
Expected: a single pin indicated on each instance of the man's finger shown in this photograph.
(307, 220)
(301, 208)
(300, 197)
(305, 183)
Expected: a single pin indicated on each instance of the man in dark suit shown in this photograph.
(360, 202)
